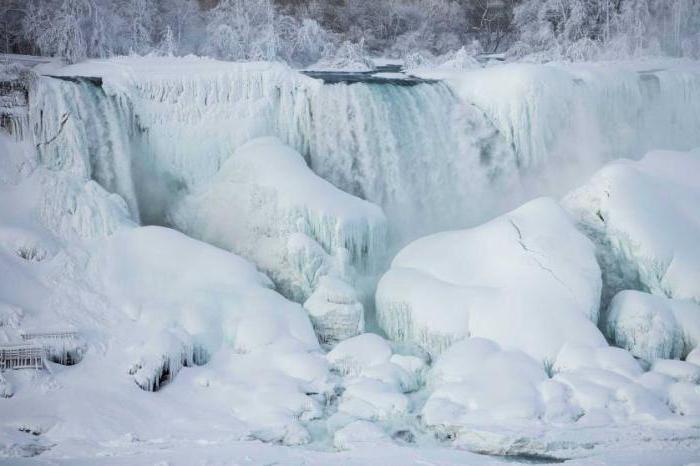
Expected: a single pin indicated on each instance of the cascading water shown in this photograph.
(417, 151)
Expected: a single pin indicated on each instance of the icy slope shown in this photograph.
(644, 218)
(527, 280)
(262, 196)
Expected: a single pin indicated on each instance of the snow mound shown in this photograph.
(335, 311)
(681, 371)
(373, 400)
(360, 434)
(353, 355)
(643, 216)
(219, 297)
(263, 194)
(653, 327)
(573, 357)
(530, 267)
(476, 381)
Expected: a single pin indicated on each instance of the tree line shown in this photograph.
(302, 32)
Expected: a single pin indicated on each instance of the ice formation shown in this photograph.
(644, 218)
(530, 267)
(335, 311)
(263, 194)
(653, 327)
(587, 113)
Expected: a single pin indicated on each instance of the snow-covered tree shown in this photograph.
(242, 30)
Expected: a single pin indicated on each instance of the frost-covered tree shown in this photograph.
(242, 30)
(60, 28)
(139, 19)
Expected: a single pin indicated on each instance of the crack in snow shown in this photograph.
(542, 266)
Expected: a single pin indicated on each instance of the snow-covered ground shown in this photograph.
(244, 343)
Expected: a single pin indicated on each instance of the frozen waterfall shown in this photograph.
(434, 156)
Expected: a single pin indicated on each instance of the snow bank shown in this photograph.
(530, 268)
(643, 216)
(264, 194)
(653, 327)
(353, 355)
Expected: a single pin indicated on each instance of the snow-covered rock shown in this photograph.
(644, 219)
(684, 398)
(530, 268)
(694, 357)
(335, 311)
(372, 399)
(361, 434)
(653, 327)
(476, 381)
(353, 355)
(577, 356)
(681, 371)
(264, 193)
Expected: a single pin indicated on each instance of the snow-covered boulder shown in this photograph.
(476, 381)
(653, 327)
(527, 280)
(361, 434)
(352, 356)
(262, 195)
(681, 371)
(372, 399)
(694, 357)
(335, 311)
(573, 357)
(684, 398)
(643, 216)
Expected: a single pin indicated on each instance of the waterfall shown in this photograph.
(434, 156)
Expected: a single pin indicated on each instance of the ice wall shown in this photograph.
(416, 151)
